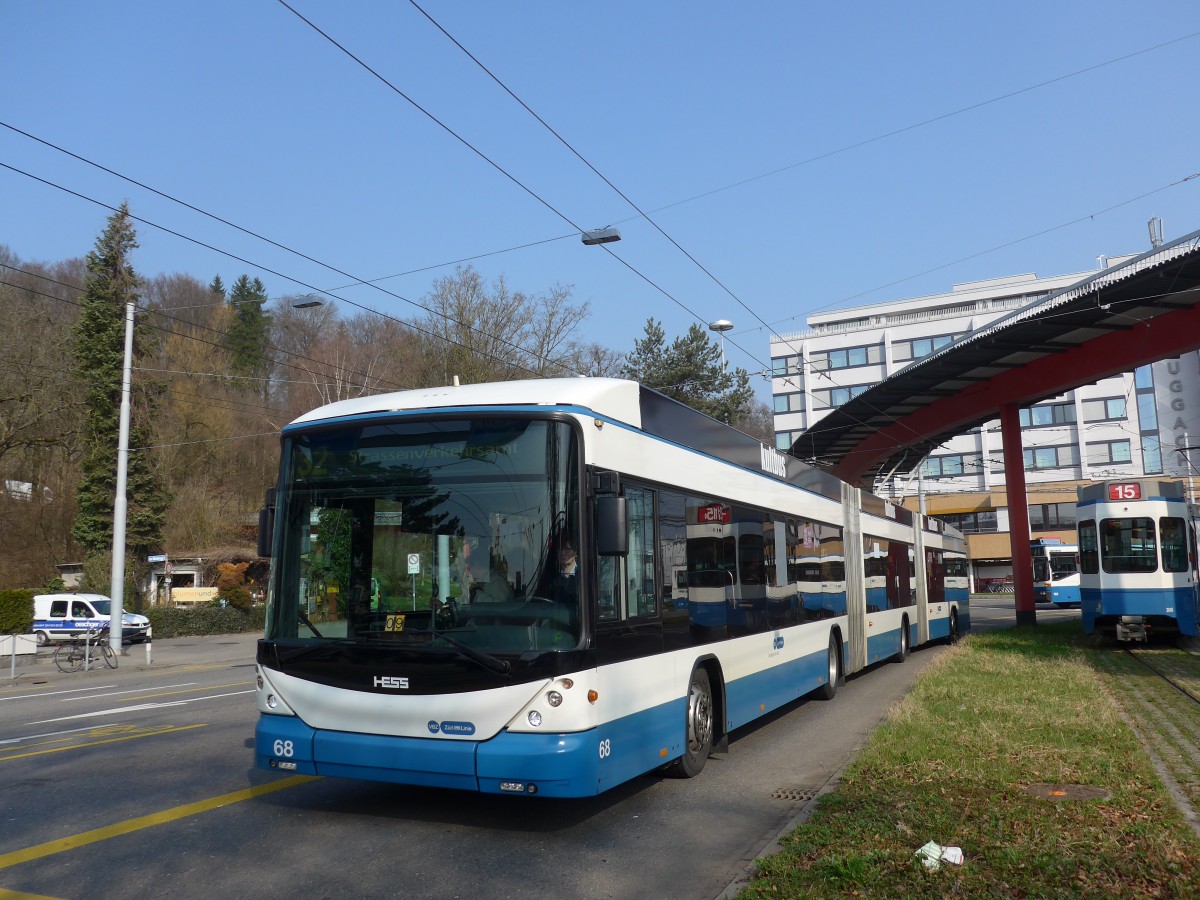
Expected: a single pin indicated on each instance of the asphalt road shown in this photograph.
(140, 782)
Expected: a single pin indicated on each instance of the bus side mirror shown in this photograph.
(612, 526)
(266, 524)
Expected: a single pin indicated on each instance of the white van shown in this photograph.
(70, 616)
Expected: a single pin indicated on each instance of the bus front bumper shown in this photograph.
(547, 765)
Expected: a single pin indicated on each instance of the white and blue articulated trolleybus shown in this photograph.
(551, 587)
(1137, 558)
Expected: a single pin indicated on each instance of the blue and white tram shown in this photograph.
(551, 587)
(1137, 558)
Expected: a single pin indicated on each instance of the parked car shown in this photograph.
(71, 616)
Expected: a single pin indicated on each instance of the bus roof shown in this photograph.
(613, 397)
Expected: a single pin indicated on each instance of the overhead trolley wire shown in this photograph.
(249, 232)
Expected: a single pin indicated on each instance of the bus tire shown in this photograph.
(698, 727)
(833, 675)
(954, 637)
(902, 653)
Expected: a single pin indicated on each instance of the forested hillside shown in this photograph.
(219, 367)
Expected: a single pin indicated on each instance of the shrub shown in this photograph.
(169, 622)
(16, 611)
(231, 584)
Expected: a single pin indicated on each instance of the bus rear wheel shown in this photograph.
(902, 653)
(698, 732)
(833, 674)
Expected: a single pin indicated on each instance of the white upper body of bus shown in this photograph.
(616, 398)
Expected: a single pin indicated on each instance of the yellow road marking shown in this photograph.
(129, 737)
(159, 818)
(211, 687)
(21, 895)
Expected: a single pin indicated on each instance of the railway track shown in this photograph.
(1158, 688)
(1144, 659)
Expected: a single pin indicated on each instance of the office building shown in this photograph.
(1131, 424)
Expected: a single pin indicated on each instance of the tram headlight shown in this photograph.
(554, 698)
(535, 718)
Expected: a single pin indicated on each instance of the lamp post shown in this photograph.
(117, 587)
(720, 327)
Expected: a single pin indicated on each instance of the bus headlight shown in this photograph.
(271, 701)
(535, 718)
(554, 698)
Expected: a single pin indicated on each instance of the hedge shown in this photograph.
(170, 622)
(16, 611)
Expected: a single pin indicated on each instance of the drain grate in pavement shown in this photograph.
(796, 795)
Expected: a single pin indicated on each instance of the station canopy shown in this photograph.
(1143, 310)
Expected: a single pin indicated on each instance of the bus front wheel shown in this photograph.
(698, 732)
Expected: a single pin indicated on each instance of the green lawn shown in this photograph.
(960, 762)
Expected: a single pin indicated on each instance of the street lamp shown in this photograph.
(600, 236)
(720, 327)
(310, 302)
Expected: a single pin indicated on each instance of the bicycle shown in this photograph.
(86, 652)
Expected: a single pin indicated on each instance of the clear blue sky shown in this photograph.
(717, 119)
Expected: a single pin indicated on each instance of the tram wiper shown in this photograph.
(492, 663)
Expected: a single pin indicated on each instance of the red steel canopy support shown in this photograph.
(1018, 513)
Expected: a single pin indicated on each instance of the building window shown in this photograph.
(945, 466)
(919, 347)
(983, 522)
(785, 365)
(1151, 454)
(1047, 414)
(1107, 410)
(785, 439)
(1049, 457)
(1051, 516)
(837, 396)
(785, 403)
(1102, 452)
(848, 357)
(1147, 413)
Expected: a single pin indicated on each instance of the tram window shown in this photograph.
(1089, 552)
(1174, 544)
(1129, 545)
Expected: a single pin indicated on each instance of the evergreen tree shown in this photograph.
(217, 287)
(111, 283)
(690, 371)
(248, 337)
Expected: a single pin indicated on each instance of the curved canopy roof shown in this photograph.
(1143, 310)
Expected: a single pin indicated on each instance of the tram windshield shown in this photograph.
(454, 532)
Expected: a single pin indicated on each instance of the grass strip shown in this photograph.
(996, 713)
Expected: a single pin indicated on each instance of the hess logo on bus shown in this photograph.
(391, 682)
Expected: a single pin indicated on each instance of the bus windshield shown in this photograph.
(400, 533)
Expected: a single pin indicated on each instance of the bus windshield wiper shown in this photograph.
(492, 663)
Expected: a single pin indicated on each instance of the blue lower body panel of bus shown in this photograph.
(578, 764)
